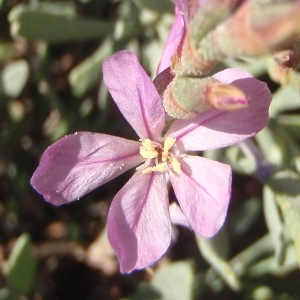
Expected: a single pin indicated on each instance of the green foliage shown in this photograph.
(274, 224)
(87, 74)
(14, 77)
(55, 24)
(212, 251)
(21, 267)
(146, 292)
(175, 281)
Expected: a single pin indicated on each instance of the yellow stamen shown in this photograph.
(175, 164)
(147, 149)
(163, 159)
(158, 168)
(169, 143)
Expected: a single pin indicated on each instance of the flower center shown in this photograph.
(164, 159)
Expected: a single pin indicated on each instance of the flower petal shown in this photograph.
(139, 226)
(215, 128)
(203, 191)
(188, 8)
(134, 94)
(184, 12)
(81, 162)
(182, 5)
(177, 216)
(176, 33)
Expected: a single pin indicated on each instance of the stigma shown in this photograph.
(164, 159)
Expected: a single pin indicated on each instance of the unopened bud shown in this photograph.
(250, 31)
(184, 98)
(283, 76)
(288, 58)
(206, 18)
(191, 62)
(226, 97)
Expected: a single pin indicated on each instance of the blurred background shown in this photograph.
(51, 55)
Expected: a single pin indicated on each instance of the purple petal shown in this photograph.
(81, 162)
(134, 94)
(188, 8)
(215, 128)
(175, 35)
(139, 226)
(203, 191)
(182, 5)
(162, 80)
(177, 216)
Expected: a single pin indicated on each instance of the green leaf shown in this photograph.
(175, 281)
(262, 247)
(21, 266)
(291, 122)
(7, 50)
(290, 208)
(211, 255)
(284, 99)
(157, 5)
(14, 77)
(144, 291)
(244, 217)
(263, 292)
(88, 73)
(274, 224)
(238, 161)
(276, 144)
(270, 265)
(42, 23)
(5, 294)
(297, 163)
(285, 182)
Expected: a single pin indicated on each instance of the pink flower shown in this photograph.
(184, 12)
(139, 225)
(175, 38)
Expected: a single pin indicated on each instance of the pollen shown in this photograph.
(175, 164)
(147, 150)
(162, 167)
(164, 159)
(169, 143)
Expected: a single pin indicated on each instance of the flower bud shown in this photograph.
(226, 97)
(205, 20)
(184, 98)
(283, 76)
(288, 58)
(251, 30)
(191, 63)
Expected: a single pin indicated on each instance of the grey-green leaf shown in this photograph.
(88, 73)
(14, 77)
(144, 291)
(174, 281)
(290, 207)
(41, 23)
(274, 224)
(21, 266)
(285, 181)
(284, 99)
(224, 269)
